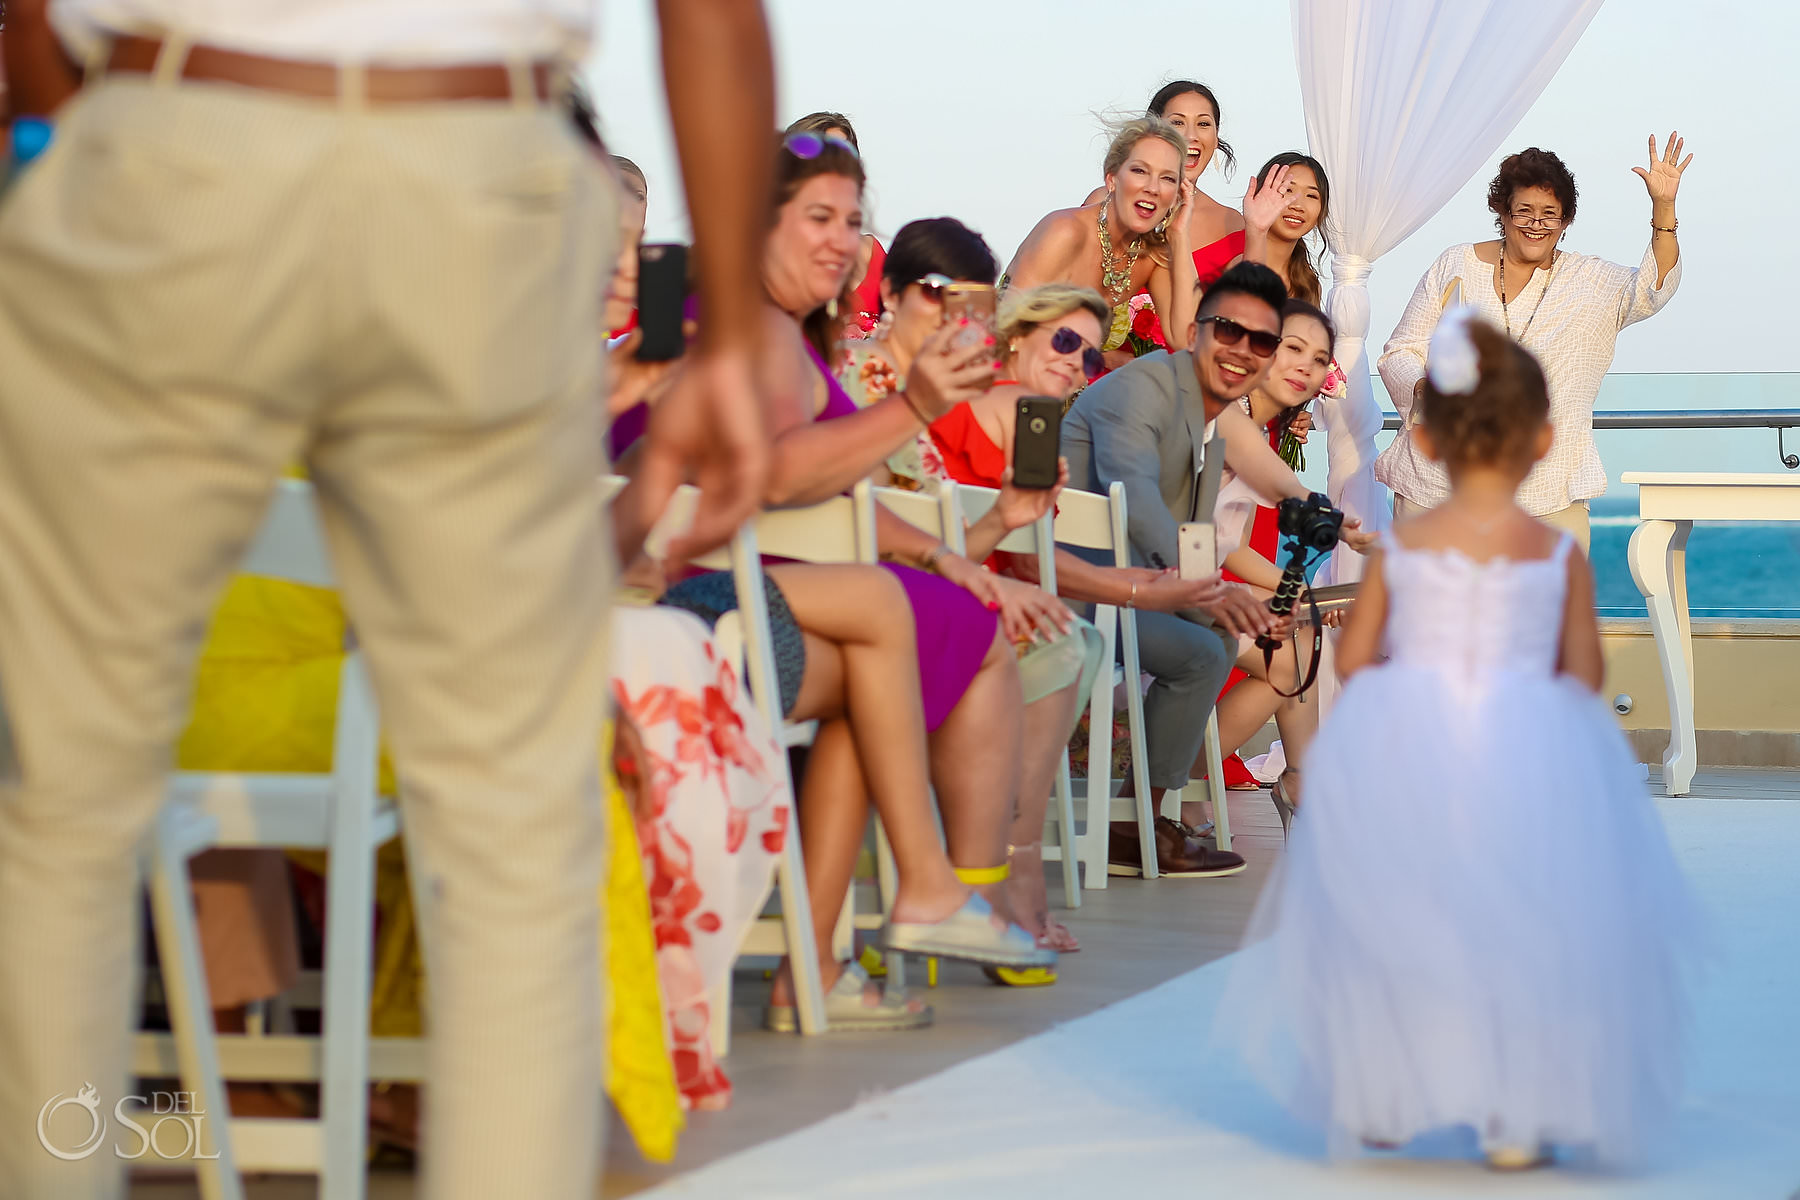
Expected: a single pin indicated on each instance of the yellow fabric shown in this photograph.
(975, 876)
(265, 699)
(640, 1076)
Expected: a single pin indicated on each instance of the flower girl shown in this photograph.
(1506, 950)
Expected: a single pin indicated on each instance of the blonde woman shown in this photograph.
(1050, 336)
(1134, 239)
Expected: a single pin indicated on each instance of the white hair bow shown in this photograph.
(1452, 362)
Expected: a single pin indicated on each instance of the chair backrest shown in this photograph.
(291, 543)
(1090, 522)
(1038, 538)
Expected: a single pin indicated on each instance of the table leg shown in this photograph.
(1658, 557)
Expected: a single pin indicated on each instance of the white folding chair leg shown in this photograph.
(1065, 824)
(1094, 842)
(349, 951)
(1215, 782)
(1140, 760)
(190, 1006)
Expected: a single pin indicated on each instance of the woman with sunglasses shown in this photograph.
(1564, 307)
(927, 257)
(864, 310)
(981, 737)
(1133, 240)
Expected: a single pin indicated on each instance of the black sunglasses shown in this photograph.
(1067, 341)
(1230, 333)
(810, 145)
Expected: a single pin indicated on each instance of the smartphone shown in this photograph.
(1198, 543)
(662, 297)
(976, 302)
(1037, 442)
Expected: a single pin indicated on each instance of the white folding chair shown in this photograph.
(1211, 788)
(1038, 540)
(839, 530)
(1085, 521)
(339, 812)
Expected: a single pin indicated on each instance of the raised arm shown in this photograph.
(1247, 452)
(1175, 284)
(817, 459)
(1662, 179)
(720, 80)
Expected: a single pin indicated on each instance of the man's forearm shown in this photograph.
(39, 77)
(713, 49)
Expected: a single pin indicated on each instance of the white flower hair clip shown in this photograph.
(1452, 362)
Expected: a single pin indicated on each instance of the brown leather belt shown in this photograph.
(381, 85)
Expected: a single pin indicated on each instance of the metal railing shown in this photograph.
(1778, 419)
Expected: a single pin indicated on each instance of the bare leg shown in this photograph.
(1048, 724)
(1248, 707)
(862, 665)
(975, 768)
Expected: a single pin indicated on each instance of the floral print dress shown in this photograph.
(714, 826)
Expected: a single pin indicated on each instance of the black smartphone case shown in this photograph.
(662, 295)
(1037, 442)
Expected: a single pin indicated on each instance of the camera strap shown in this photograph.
(1318, 650)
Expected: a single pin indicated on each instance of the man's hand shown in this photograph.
(1236, 608)
(708, 431)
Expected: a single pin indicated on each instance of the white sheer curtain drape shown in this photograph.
(1404, 100)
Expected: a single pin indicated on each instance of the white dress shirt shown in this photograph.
(1570, 318)
(383, 32)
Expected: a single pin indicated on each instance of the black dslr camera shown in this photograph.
(1311, 527)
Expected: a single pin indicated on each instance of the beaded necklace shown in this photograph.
(1549, 278)
(1115, 280)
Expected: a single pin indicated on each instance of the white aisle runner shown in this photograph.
(1132, 1100)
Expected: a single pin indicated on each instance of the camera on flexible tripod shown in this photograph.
(1310, 528)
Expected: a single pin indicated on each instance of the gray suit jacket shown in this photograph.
(1145, 425)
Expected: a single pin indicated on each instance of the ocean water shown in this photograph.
(1733, 570)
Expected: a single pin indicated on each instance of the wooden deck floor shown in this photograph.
(1135, 936)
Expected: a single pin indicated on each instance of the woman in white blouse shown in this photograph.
(1566, 308)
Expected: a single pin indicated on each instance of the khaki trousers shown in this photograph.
(198, 285)
(1573, 519)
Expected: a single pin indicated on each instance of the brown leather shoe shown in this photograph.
(1177, 854)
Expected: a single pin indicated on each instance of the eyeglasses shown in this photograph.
(1524, 220)
(810, 145)
(1067, 341)
(1230, 333)
(933, 286)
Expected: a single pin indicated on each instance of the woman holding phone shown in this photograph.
(1050, 339)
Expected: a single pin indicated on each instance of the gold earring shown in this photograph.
(831, 308)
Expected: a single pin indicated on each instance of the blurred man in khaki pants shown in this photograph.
(356, 233)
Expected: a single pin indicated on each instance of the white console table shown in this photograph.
(1668, 505)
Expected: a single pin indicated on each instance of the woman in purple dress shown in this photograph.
(984, 738)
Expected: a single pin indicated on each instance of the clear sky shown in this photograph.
(989, 110)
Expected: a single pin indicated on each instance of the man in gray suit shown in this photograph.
(1145, 425)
